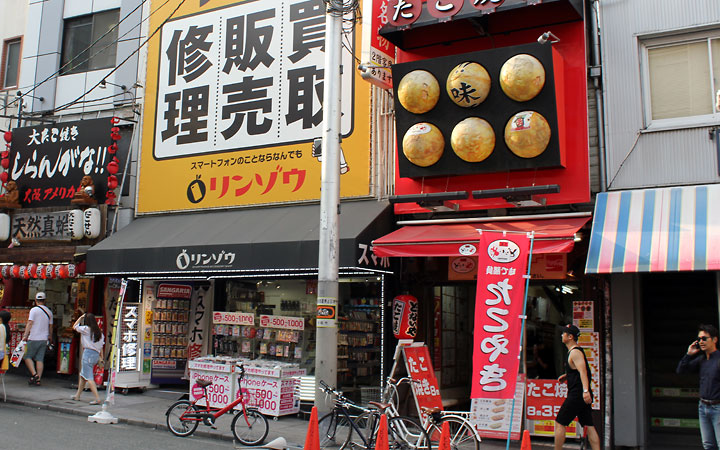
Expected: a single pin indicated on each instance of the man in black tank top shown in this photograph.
(579, 395)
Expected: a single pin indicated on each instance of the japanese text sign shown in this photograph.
(544, 399)
(377, 52)
(235, 100)
(46, 226)
(495, 417)
(283, 322)
(129, 337)
(233, 318)
(502, 266)
(425, 385)
(48, 162)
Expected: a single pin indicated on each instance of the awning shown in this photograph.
(231, 241)
(656, 230)
(551, 236)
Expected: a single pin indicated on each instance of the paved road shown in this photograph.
(38, 429)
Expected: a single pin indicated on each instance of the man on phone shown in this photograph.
(579, 395)
(703, 356)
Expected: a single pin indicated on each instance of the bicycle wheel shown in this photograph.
(250, 428)
(405, 433)
(176, 424)
(366, 424)
(462, 436)
(334, 431)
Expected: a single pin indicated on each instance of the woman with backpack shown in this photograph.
(92, 340)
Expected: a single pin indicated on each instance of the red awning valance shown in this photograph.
(551, 236)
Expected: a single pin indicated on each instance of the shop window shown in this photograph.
(456, 314)
(681, 80)
(10, 63)
(80, 51)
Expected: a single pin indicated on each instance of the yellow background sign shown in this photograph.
(233, 102)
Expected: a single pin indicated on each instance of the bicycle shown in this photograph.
(340, 430)
(249, 426)
(463, 435)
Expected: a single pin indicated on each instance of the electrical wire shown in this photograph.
(349, 10)
(69, 104)
(85, 50)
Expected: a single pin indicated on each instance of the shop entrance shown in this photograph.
(674, 304)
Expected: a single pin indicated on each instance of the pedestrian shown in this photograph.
(92, 341)
(4, 337)
(38, 335)
(579, 395)
(703, 356)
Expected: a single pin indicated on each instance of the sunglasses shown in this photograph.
(703, 338)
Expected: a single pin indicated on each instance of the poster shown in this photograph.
(234, 102)
(493, 416)
(584, 315)
(502, 271)
(590, 342)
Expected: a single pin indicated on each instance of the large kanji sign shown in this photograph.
(234, 102)
(502, 267)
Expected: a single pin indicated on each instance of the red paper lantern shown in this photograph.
(8, 136)
(6, 271)
(5, 154)
(113, 148)
(40, 271)
(112, 182)
(113, 167)
(72, 270)
(62, 271)
(24, 272)
(15, 271)
(4, 177)
(32, 270)
(405, 317)
(5, 163)
(57, 271)
(49, 272)
(114, 120)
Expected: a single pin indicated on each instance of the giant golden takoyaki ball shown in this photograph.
(473, 139)
(418, 91)
(522, 77)
(527, 134)
(423, 144)
(468, 84)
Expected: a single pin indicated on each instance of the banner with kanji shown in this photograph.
(502, 266)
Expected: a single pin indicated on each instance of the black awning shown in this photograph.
(273, 239)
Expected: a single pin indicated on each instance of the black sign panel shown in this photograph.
(497, 109)
(49, 161)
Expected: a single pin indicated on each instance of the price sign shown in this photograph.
(544, 399)
(271, 396)
(233, 318)
(218, 393)
(283, 322)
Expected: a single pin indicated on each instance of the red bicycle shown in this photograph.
(250, 426)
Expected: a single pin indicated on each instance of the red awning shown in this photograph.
(551, 236)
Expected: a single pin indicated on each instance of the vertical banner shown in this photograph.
(201, 307)
(502, 266)
(115, 353)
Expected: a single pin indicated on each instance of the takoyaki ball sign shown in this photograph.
(498, 113)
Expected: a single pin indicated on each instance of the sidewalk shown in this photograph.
(148, 410)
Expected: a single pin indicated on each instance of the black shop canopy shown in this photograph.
(279, 239)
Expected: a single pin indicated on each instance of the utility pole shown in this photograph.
(328, 261)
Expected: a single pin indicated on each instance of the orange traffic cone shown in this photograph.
(444, 437)
(312, 440)
(381, 441)
(526, 441)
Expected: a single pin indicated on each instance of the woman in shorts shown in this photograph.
(92, 341)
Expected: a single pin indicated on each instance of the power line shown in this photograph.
(69, 104)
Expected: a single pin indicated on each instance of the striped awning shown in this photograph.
(656, 230)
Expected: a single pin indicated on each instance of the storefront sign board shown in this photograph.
(282, 322)
(502, 271)
(233, 318)
(492, 416)
(236, 124)
(326, 312)
(46, 226)
(378, 54)
(219, 393)
(425, 386)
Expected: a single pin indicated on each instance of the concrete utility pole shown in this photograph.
(326, 331)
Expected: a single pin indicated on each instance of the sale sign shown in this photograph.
(233, 318)
(284, 322)
(502, 267)
(425, 385)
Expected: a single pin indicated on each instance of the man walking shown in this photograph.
(38, 334)
(579, 396)
(703, 356)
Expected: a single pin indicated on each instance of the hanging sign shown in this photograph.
(404, 316)
(378, 54)
(502, 264)
(425, 385)
(129, 337)
(284, 322)
(326, 312)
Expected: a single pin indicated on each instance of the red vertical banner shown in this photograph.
(502, 266)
